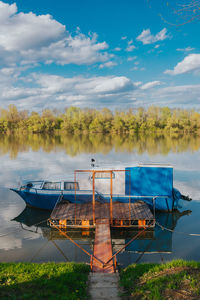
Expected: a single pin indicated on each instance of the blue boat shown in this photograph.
(151, 183)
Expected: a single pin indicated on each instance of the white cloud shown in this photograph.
(51, 91)
(108, 64)
(130, 48)
(183, 96)
(137, 83)
(27, 38)
(150, 85)
(123, 37)
(130, 58)
(187, 49)
(147, 38)
(7, 10)
(117, 49)
(189, 64)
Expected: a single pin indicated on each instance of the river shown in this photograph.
(33, 157)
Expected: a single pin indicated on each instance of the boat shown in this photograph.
(151, 183)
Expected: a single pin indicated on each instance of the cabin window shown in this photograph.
(51, 186)
(71, 185)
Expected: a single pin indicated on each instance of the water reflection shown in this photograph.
(73, 145)
(34, 157)
(162, 239)
(156, 240)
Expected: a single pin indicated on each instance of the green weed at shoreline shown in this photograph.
(177, 279)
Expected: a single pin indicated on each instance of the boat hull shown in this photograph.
(48, 199)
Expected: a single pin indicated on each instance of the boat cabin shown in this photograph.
(52, 185)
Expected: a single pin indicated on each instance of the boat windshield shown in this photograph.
(48, 185)
(71, 185)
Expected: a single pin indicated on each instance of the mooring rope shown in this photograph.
(39, 250)
(179, 232)
(18, 229)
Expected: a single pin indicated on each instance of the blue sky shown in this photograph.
(92, 53)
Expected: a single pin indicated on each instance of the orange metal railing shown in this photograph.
(110, 172)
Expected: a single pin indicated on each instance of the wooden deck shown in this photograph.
(102, 216)
(123, 214)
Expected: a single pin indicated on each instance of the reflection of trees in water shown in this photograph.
(98, 143)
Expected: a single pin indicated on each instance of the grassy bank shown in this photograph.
(43, 281)
(174, 280)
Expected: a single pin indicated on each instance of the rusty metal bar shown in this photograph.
(129, 196)
(93, 198)
(111, 206)
(100, 171)
(115, 263)
(60, 250)
(75, 195)
(91, 262)
(65, 234)
(134, 238)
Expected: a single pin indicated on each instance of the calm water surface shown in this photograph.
(44, 157)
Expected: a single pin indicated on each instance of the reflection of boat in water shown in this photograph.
(151, 241)
(162, 240)
(33, 217)
(152, 184)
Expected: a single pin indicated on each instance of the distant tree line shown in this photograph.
(76, 120)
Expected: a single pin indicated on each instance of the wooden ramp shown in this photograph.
(102, 247)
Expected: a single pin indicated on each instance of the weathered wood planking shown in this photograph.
(102, 247)
(69, 211)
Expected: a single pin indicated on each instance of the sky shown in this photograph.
(95, 54)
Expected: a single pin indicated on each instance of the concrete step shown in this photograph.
(104, 286)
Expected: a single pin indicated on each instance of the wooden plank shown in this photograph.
(115, 210)
(102, 247)
(70, 212)
(126, 208)
(80, 214)
(119, 212)
(139, 210)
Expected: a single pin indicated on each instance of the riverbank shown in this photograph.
(174, 280)
(177, 279)
(43, 281)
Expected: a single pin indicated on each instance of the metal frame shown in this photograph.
(110, 172)
(92, 257)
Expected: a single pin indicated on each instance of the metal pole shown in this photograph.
(68, 237)
(93, 198)
(134, 238)
(111, 206)
(75, 195)
(129, 197)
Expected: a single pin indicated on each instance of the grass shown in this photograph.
(43, 281)
(174, 280)
(177, 279)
